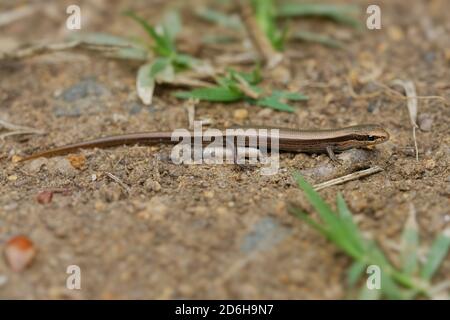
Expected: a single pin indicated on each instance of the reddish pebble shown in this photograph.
(44, 197)
(77, 161)
(19, 253)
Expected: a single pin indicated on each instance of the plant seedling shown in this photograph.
(240, 86)
(410, 279)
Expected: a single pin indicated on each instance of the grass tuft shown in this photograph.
(240, 86)
(167, 60)
(410, 281)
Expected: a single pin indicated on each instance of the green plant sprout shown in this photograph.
(240, 86)
(160, 58)
(344, 14)
(411, 279)
(267, 13)
(168, 60)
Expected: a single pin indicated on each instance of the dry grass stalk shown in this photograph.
(353, 176)
(259, 39)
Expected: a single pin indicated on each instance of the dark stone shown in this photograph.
(265, 233)
(86, 88)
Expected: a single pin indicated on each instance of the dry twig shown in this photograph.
(15, 14)
(353, 176)
(53, 47)
(259, 39)
(120, 182)
(190, 108)
(16, 129)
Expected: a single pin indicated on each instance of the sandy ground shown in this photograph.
(214, 231)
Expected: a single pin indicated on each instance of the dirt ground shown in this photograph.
(204, 231)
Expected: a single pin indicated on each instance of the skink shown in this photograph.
(290, 140)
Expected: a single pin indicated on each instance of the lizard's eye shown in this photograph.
(371, 138)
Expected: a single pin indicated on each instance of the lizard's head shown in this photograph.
(371, 134)
(361, 136)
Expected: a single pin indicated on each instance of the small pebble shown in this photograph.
(10, 206)
(85, 88)
(425, 121)
(157, 208)
(34, 166)
(209, 194)
(3, 280)
(264, 234)
(240, 114)
(404, 187)
(134, 108)
(265, 112)
(99, 206)
(15, 158)
(222, 211)
(12, 177)
(77, 160)
(395, 33)
(19, 253)
(430, 164)
(152, 185)
(430, 57)
(62, 166)
(44, 197)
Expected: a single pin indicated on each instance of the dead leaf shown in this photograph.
(145, 84)
(410, 91)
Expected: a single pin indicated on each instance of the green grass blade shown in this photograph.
(338, 13)
(355, 272)
(265, 17)
(172, 25)
(367, 294)
(184, 61)
(303, 216)
(337, 231)
(274, 103)
(163, 46)
(144, 24)
(102, 39)
(214, 94)
(130, 54)
(389, 288)
(340, 229)
(251, 78)
(158, 65)
(313, 37)
(292, 96)
(166, 75)
(410, 245)
(319, 204)
(349, 225)
(436, 255)
(226, 82)
(218, 39)
(219, 18)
